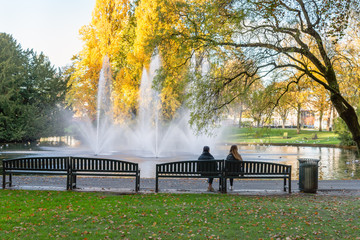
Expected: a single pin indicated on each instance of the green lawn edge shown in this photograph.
(88, 215)
(279, 136)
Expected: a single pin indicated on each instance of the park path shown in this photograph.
(147, 185)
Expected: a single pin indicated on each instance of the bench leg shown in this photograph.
(68, 181)
(284, 184)
(73, 182)
(224, 187)
(156, 184)
(220, 184)
(289, 184)
(4, 181)
(137, 183)
(10, 180)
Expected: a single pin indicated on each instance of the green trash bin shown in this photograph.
(308, 175)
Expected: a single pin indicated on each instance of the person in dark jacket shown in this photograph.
(206, 156)
(233, 156)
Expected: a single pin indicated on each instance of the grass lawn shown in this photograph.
(76, 215)
(276, 135)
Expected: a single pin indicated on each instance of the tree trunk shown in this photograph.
(333, 115)
(329, 128)
(320, 120)
(240, 114)
(258, 123)
(348, 114)
(283, 122)
(283, 119)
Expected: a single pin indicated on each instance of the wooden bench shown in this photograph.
(36, 166)
(103, 167)
(189, 169)
(225, 169)
(70, 167)
(250, 169)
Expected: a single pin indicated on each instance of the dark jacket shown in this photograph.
(233, 165)
(206, 167)
(231, 157)
(206, 156)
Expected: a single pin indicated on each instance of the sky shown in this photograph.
(48, 26)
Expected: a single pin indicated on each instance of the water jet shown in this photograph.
(147, 136)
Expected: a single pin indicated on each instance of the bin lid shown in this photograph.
(308, 160)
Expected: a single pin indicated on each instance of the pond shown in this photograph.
(335, 163)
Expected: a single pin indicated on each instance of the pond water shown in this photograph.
(335, 163)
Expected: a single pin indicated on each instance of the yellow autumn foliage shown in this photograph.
(130, 33)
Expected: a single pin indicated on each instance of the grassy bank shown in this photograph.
(280, 136)
(74, 215)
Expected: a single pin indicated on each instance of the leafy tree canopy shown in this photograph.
(31, 94)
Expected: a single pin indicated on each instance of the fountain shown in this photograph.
(148, 136)
(100, 137)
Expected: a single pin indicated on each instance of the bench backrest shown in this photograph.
(38, 163)
(191, 167)
(249, 167)
(70, 163)
(102, 165)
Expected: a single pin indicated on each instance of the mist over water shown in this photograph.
(148, 135)
(99, 136)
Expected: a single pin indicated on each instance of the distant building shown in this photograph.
(308, 119)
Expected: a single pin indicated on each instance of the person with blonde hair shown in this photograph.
(233, 156)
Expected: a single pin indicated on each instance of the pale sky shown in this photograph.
(48, 26)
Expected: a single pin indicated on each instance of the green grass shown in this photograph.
(276, 135)
(75, 215)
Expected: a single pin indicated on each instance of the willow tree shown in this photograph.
(205, 76)
(275, 35)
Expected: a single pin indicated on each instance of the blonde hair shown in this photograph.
(235, 153)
